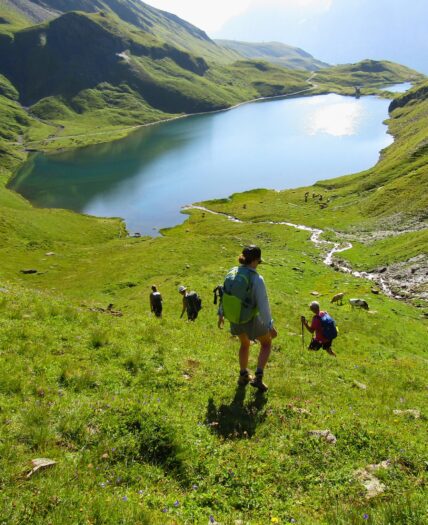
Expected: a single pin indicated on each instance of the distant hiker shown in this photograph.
(218, 299)
(192, 303)
(246, 306)
(156, 302)
(306, 196)
(323, 326)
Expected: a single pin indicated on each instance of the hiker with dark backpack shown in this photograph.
(192, 303)
(156, 302)
(324, 327)
(246, 307)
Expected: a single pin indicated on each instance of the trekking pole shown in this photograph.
(303, 336)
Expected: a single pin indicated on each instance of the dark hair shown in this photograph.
(249, 254)
(154, 288)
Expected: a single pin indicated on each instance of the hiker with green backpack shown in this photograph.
(246, 307)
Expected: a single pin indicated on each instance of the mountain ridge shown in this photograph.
(276, 53)
(161, 24)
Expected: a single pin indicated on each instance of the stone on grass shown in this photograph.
(40, 463)
(415, 414)
(359, 385)
(325, 434)
(303, 411)
(315, 293)
(366, 476)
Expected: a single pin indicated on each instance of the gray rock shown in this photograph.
(371, 483)
(415, 414)
(325, 434)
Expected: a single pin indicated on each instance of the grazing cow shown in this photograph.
(338, 298)
(359, 303)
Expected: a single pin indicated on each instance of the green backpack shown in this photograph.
(238, 304)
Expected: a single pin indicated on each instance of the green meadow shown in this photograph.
(142, 416)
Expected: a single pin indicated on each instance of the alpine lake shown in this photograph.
(149, 176)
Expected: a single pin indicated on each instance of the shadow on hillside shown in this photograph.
(237, 420)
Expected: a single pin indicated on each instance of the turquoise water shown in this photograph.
(147, 177)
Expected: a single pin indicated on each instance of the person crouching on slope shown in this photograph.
(260, 324)
(320, 339)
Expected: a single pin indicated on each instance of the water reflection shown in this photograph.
(338, 119)
(147, 177)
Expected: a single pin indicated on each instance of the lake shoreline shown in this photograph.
(129, 130)
(361, 123)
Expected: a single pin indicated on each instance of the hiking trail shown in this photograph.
(332, 248)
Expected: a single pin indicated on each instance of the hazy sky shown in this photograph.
(211, 16)
(335, 31)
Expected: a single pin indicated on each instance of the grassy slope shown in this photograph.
(276, 53)
(161, 24)
(133, 404)
(11, 20)
(140, 416)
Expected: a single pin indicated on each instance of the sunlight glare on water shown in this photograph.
(339, 120)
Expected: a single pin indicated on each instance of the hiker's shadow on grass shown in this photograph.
(237, 420)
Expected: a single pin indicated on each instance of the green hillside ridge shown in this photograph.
(93, 72)
(94, 77)
(276, 53)
(161, 24)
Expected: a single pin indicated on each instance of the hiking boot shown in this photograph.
(244, 378)
(257, 382)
